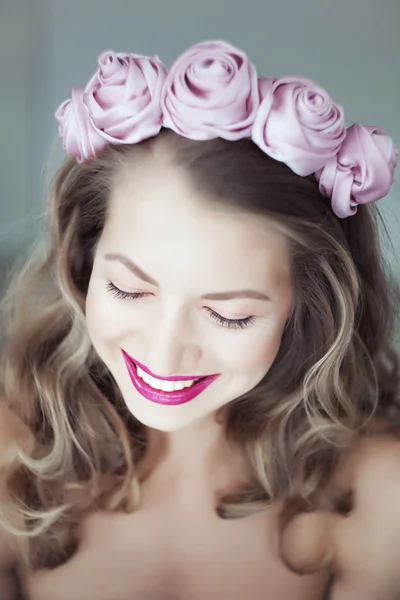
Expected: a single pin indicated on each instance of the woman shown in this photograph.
(198, 374)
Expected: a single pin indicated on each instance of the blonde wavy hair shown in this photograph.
(78, 447)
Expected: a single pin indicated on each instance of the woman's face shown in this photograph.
(215, 296)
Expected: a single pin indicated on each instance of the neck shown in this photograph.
(198, 455)
(191, 446)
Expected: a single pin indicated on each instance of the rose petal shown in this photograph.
(211, 91)
(80, 137)
(298, 124)
(361, 173)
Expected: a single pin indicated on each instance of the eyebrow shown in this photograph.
(136, 270)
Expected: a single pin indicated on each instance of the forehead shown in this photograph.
(160, 216)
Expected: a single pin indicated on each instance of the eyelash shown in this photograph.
(230, 323)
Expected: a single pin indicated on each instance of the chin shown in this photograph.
(156, 418)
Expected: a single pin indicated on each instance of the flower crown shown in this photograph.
(212, 90)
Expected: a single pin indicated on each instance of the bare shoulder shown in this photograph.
(367, 540)
(361, 548)
(374, 468)
(14, 435)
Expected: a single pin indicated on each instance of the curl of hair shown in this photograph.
(336, 368)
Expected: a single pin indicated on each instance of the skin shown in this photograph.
(190, 251)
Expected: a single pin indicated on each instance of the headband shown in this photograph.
(212, 90)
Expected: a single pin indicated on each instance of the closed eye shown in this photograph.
(117, 293)
(230, 323)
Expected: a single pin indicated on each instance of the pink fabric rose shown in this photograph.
(79, 135)
(297, 123)
(362, 172)
(120, 104)
(211, 91)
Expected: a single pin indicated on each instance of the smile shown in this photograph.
(165, 390)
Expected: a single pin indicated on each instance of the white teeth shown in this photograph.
(165, 386)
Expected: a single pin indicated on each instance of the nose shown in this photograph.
(172, 345)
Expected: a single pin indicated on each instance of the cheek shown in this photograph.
(253, 353)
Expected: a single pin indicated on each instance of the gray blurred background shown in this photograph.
(350, 47)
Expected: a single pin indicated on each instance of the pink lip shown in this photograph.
(159, 396)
